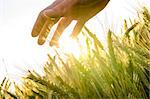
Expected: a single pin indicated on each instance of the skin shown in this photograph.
(64, 12)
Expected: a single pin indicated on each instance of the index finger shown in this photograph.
(38, 25)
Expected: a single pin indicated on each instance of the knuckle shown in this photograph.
(41, 13)
(63, 10)
(60, 10)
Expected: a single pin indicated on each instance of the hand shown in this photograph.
(65, 11)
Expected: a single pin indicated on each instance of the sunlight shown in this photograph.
(19, 48)
(20, 52)
(70, 46)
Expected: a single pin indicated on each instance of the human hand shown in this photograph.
(65, 11)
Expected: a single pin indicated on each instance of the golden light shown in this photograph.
(70, 46)
(24, 49)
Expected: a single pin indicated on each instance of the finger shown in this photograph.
(42, 19)
(45, 31)
(77, 29)
(63, 24)
(38, 25)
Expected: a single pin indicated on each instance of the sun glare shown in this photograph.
(19, 48)
(70, 46)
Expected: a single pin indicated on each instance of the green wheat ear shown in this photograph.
(110, 47)
(96, 40)
(130, 29)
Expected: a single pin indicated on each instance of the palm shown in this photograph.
(65, 11)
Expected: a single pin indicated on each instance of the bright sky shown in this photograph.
(19, 50)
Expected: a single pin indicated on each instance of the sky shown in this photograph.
(19, 51)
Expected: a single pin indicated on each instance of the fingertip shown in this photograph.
(54, 43)
(34, 34)
(77, 29)
(41, 41)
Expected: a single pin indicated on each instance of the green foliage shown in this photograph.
(119, 71)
